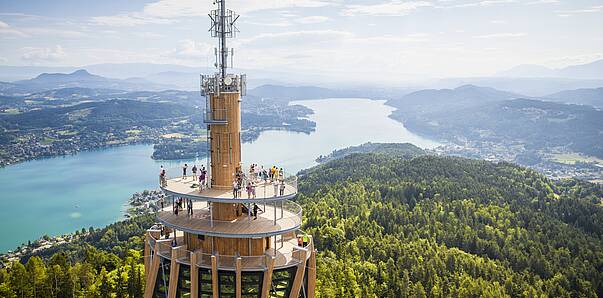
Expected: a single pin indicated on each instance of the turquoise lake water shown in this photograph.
(63, 194)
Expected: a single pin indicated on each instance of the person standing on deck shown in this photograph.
(162, 180)
(282, 188)
(194, 169)
(253, 189)
(255, 211)
(184, 171)
(264, 175)
(248, 189)
(281, 174)
(235, 191)
(202, 180)
(275, 184)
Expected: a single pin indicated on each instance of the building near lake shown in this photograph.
(236, 233)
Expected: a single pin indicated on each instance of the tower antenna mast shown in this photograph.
(223, 27)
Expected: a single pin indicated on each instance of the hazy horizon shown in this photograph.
(350, 40)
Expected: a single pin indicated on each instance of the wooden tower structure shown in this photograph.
(211, 242)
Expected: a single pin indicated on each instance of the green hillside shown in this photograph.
(387, 225)
(450, 227)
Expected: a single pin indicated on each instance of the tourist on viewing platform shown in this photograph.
(282, 188)
(255, 211)
(189, 208)
(272, 171)
(263, 174)
(235, 190)
(162, 180)
(281, 174)
(248, 189)
(300, 242)
(202, 180)
(253, 189)
(194, 170)
(275, 184)
(161, 201)
(184, 171)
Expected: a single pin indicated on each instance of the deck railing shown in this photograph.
(264, 188)
(284, 213)
(283, 258)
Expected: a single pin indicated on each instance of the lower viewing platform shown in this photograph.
(284, 253)
(272, 219)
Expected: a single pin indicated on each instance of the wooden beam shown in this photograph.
(214, 277)
(238, 277)
(147, 255)
(174, 272)
(268, 276)
(152, 277)
(194, 275)
(299, 274)
(312, 274)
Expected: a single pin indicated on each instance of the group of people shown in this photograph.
(180, 204)
(273, 175)
(201, 178)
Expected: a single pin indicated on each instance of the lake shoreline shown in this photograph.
(91, 188)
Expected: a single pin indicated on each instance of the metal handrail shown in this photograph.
(291, 208)
(228, 262)
(264, 188)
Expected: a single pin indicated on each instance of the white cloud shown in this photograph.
(7, 30)
(166, 11)
(568, 13)
(191, 50)
(312, 19)
(500, 35)
(543, 2)
(296, 38)
(392, 8)
(35, 54)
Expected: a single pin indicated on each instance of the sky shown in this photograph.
(355, 39)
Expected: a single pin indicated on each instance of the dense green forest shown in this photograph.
(388, 225)
(105, 262)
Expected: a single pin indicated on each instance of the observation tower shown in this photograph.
(210, 241)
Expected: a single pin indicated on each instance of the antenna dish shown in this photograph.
(228, 80)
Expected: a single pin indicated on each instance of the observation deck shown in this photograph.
(276, 219)
(265, 191)
(284, 254)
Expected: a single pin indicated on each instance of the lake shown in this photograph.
(60, 195)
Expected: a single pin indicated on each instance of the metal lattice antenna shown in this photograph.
(223, 27)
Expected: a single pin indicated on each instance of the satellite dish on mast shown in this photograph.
(228, 80)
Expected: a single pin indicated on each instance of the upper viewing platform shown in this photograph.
(252, 189)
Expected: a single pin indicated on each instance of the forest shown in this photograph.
(388, 225)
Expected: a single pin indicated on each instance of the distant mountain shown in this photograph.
(592, 70)
(533, 87)
(592, 97)
(433, 100)
(79, 79)
(104, 115)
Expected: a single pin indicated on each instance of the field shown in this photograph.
(573, 158)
